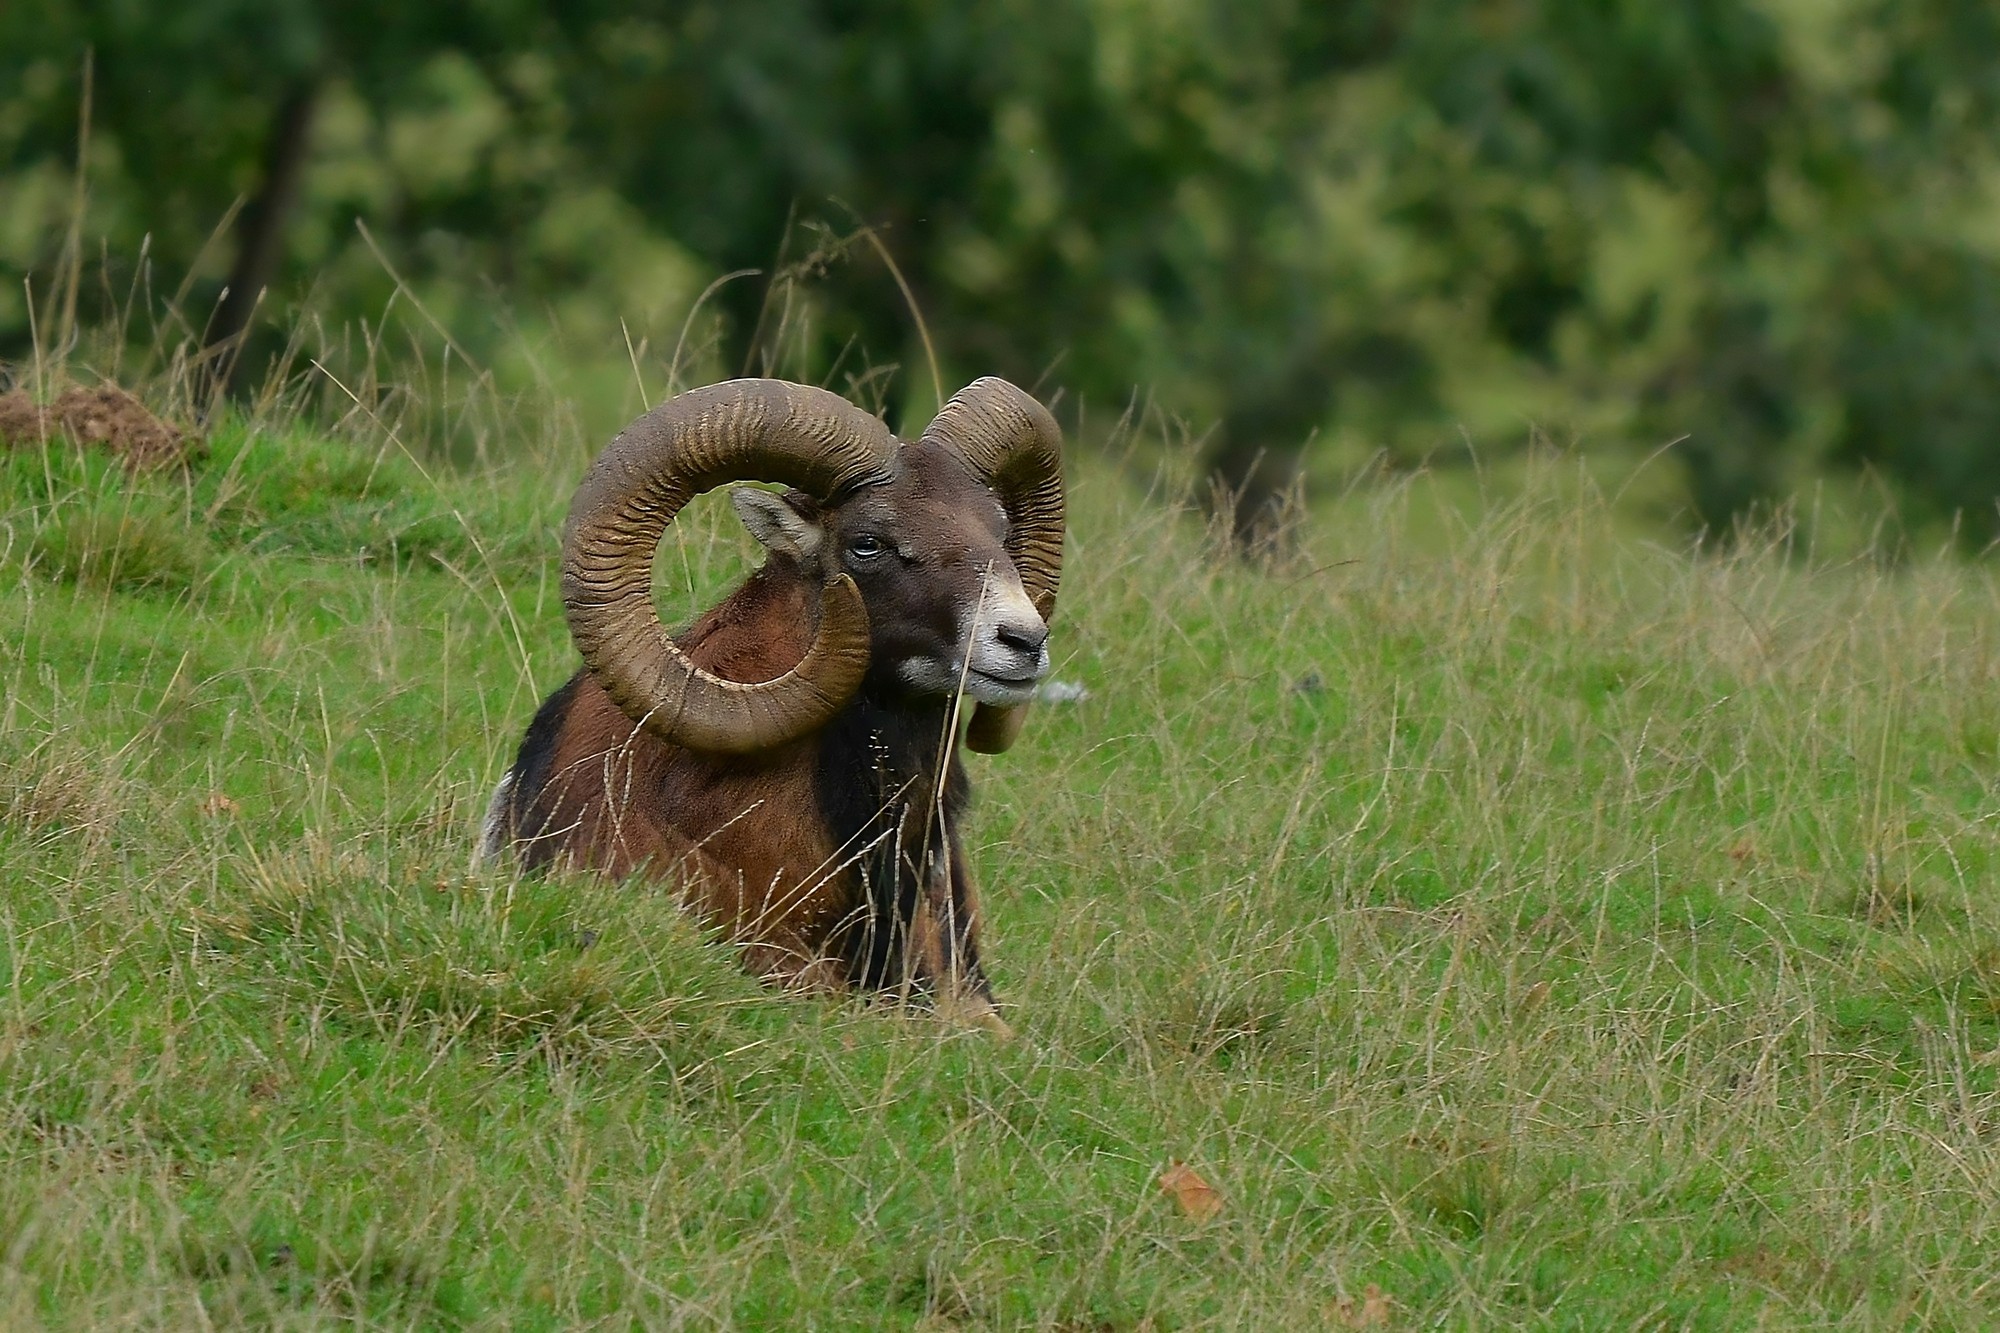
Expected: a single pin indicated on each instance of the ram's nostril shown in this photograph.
(1022, 638)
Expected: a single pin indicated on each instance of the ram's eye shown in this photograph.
(865, 546)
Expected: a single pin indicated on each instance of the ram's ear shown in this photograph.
(782, 523)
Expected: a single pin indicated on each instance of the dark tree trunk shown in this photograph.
(1256, 480)
(260, 231)
(1256, 467)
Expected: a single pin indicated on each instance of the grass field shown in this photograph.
(1516, 924)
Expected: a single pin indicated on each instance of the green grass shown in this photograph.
(1551, 929)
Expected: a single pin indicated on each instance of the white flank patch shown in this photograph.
(493, 833)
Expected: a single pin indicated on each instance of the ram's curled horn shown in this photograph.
(740, 430)
(1014, 445)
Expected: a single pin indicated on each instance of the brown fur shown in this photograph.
(741, 837)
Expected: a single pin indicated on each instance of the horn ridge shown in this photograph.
(1012, 443)
(738, 430)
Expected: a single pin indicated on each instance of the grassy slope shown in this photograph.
(1552, 931)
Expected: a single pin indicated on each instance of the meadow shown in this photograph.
(1516, 923)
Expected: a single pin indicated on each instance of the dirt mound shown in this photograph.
(20, 419)
(104, 414)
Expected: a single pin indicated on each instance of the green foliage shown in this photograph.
(1378, 227)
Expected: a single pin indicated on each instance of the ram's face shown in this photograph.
(947, 612)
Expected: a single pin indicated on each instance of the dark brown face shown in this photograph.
(946, 610)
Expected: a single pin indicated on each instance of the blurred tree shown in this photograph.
(1334, 231)
(204, 110)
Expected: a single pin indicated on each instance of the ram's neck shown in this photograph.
(890, 788)
(876, 752)
(761, 630)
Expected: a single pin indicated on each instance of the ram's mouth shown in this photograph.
(989, 688)
(1024, 679)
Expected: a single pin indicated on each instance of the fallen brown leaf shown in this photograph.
(1370, 1311)
(1197, 1198)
